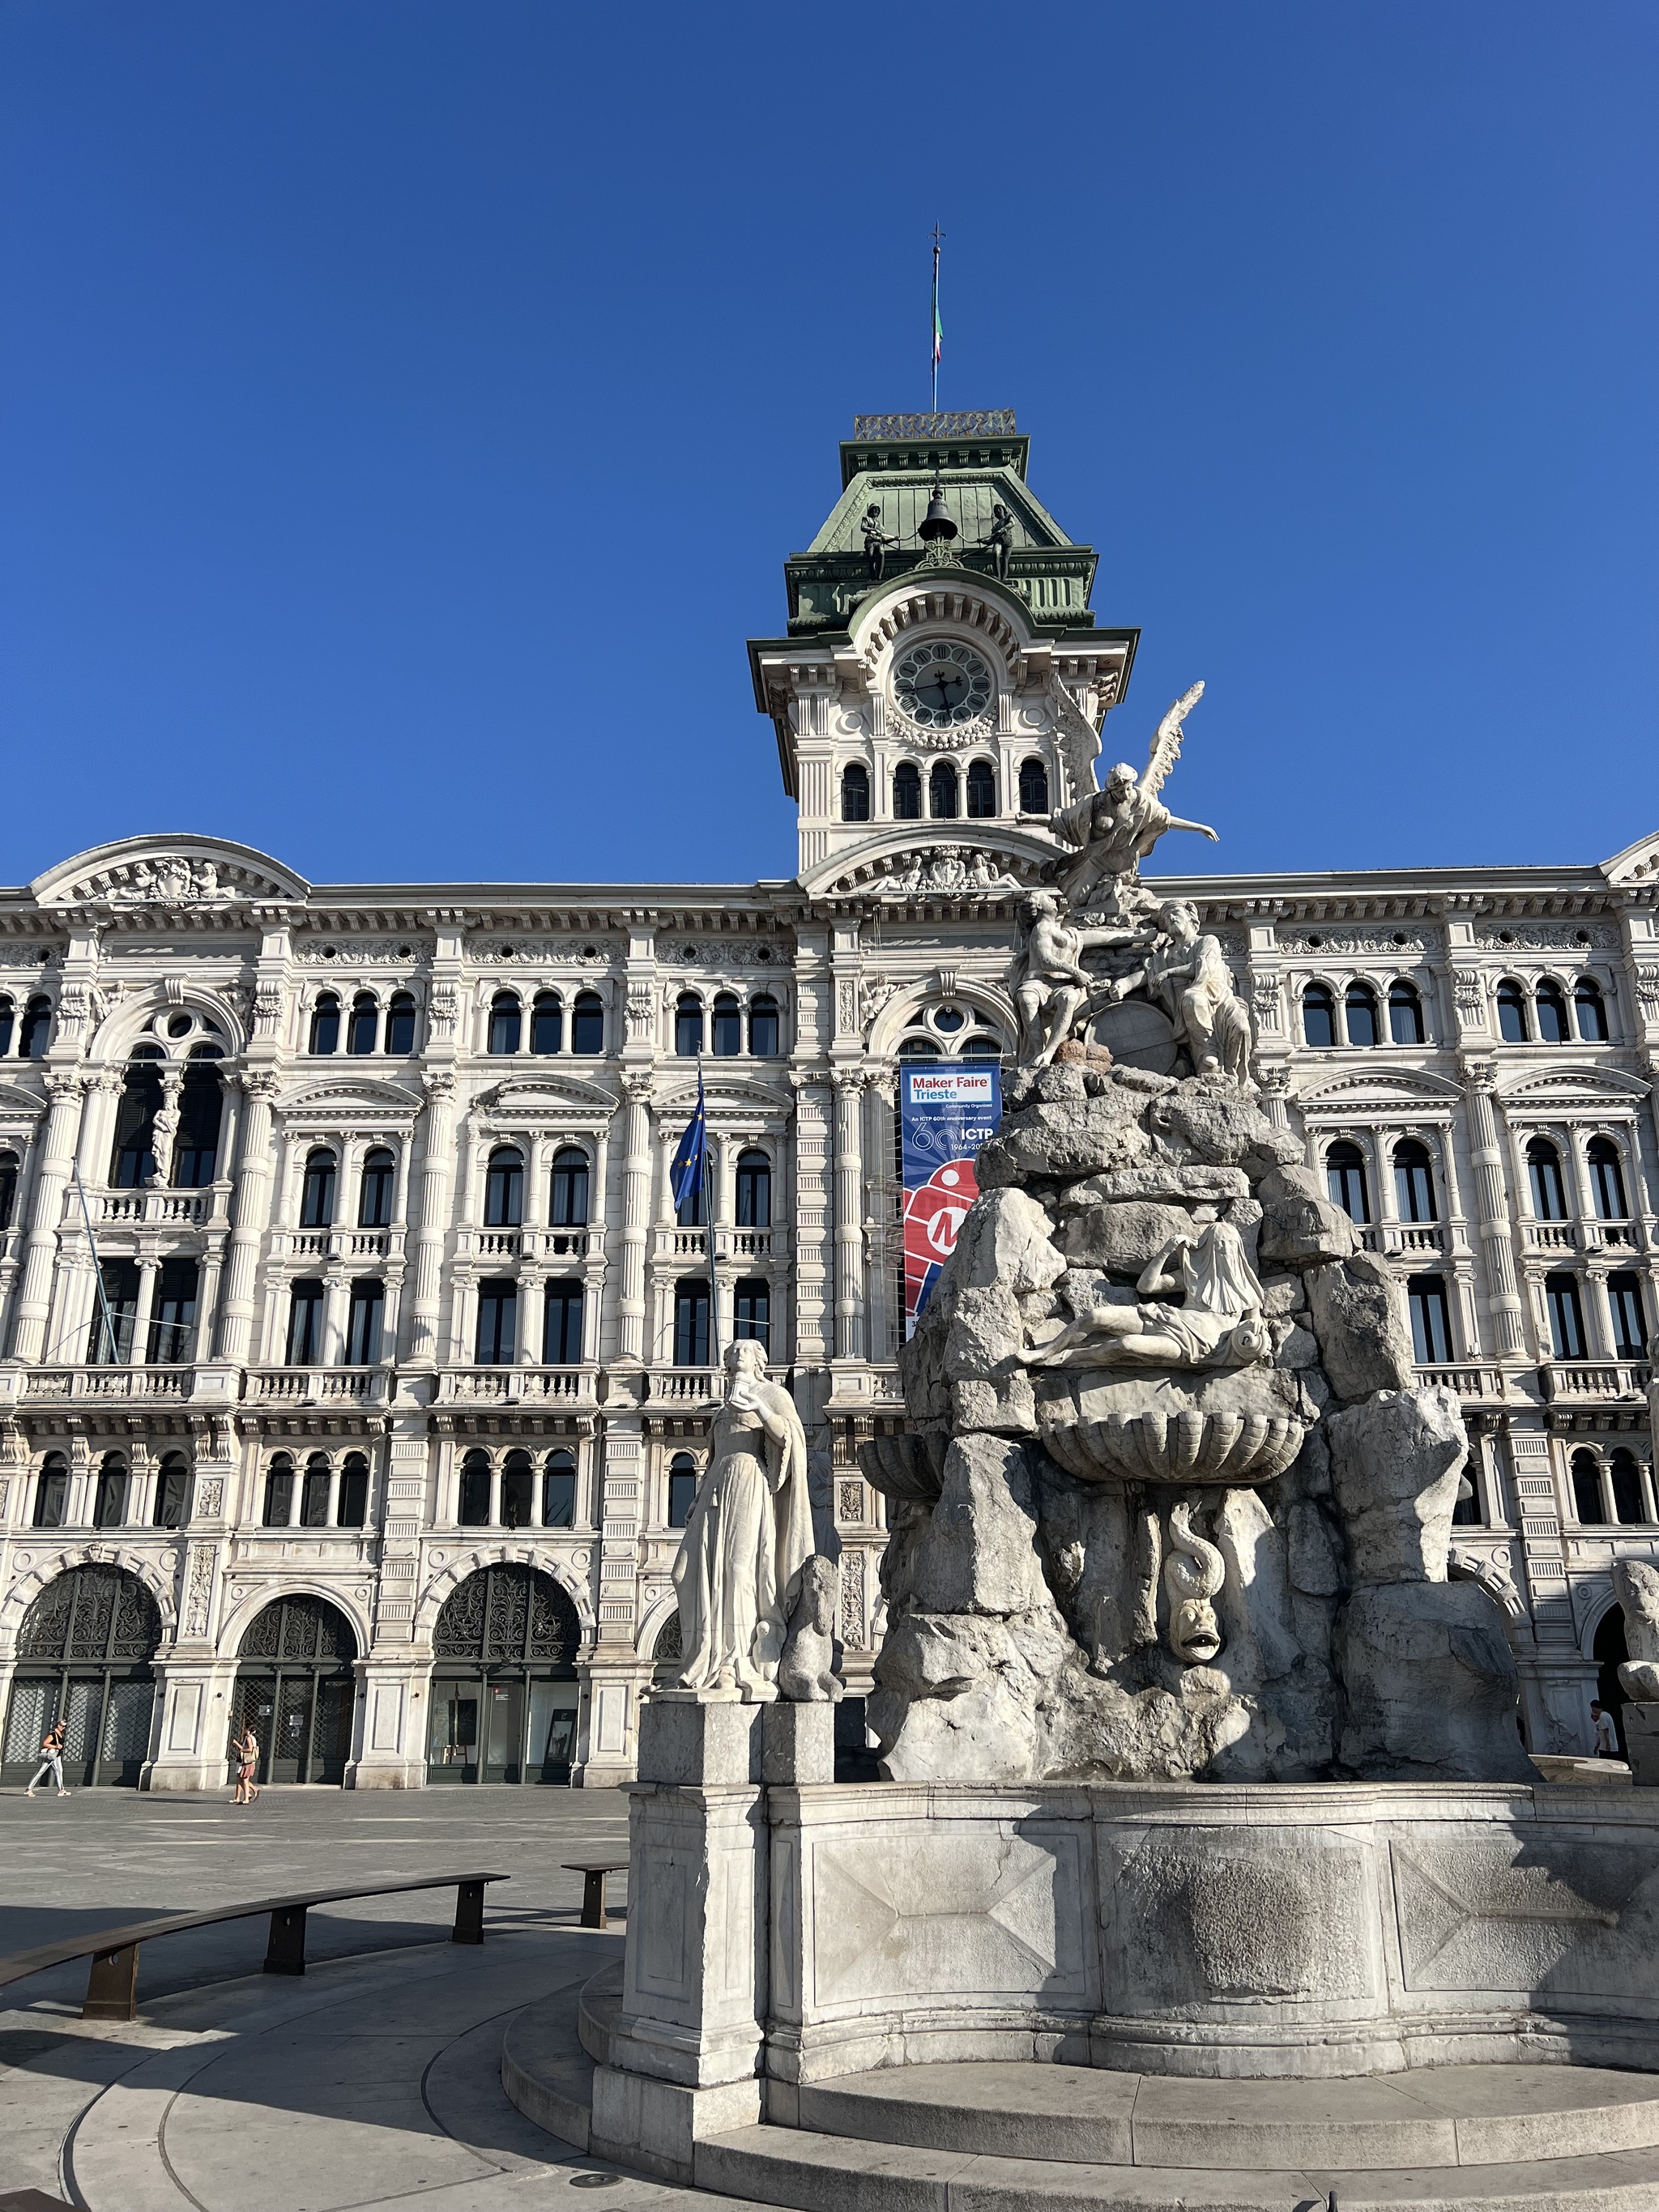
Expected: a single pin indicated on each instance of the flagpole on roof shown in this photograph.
(936, 334)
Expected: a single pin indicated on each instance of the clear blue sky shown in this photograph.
(406, 408)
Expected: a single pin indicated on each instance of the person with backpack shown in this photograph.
(52, 1758)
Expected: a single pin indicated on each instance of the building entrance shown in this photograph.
(294, 1685)
(83, 1655)
(504, 1689)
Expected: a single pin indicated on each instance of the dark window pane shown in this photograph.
(134, 1164)
(1627, 1500)
(1552, 1014)
(1425, 1298)
(279, 1493)
(363, 1323)
(518, 1491)
(692, 1324)
(305, 1324)
(9, 1166)
(504, 1189)
(907, 793)
(317, 1192)
(751, 1312)
(172, 1493)
(473, 1509)
(1033, 788)
(1591, 1013)
(498, 1323)
(569, 1193)
(504, 1022)
(196, 1158)
(351, 1509)
(681, 1489)
(547, 1022)
(8, 1018)
(1586, 1491)
(173, 1315)
(1511, 1013)
(943, 801)
(375, 1194)
(1629, 1329)
(855, 793)
(36, 1032)
(562, 1327)
(1404, 1014)
(1414, 1182)
(314, 1496)
(364, 1021)
(727, 1027)
(1566, 1317)
(52, 1493)
(1318, 1016)
(754, 1192)
(109, 1507)
(982, 790)
(763, 1027)
(115, 1314)
(587, 1030)
(688, 1025)
(326, 1024)
(1607, 1179)
(400, 1025)
(559, 1492)
(1345, 1178)
(1361, 1010)
(1549, 1197)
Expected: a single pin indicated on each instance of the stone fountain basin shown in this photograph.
(1235, 1427)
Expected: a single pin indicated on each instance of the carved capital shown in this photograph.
(65, 1083)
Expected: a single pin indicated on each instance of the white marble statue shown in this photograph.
(751, 1529)
(1186, 972)
(1193, 1573)
(1046, 977)
(1116, 827)
(1218, 1323)
(1635, 1586)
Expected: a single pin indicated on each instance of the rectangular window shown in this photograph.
(751, 1307)
(172, 1318)
(314, 1499)
(692, 1324)
(109, 1508)
(559, 1492)
(682, 1494)
(52, 1498)
(351, 1509)
(279, 1498)
(562, 1327)
(305, 1324)
(1425, 1297)
(114, 1315)
(1630, 1329)
(172, 1496)
(498, 1323)
(1566, 1316)
(363, 1323)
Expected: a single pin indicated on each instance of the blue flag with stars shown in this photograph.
(686, 1174)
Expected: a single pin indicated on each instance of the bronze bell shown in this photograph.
(937, 523)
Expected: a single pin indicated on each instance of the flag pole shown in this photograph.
(935, 337)
(708, 1233)
(98, 1269)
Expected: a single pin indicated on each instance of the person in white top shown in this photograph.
(1607, 1737)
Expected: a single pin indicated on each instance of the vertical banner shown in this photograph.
(946, 1114)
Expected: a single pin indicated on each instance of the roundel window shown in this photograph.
(941, 686)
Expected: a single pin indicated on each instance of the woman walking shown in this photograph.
(52, 1758)
(245, 1751)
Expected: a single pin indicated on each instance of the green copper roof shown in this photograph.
(891, 463)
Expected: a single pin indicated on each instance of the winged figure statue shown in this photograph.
(1116, 827)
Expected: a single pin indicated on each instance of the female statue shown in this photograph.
(750, 1528)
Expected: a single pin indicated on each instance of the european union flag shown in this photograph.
(687, 1172)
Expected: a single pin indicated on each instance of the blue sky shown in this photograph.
(406, 408)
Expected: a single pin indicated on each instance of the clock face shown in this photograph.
(942, 686)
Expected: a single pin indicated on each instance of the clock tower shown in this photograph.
(942, 682)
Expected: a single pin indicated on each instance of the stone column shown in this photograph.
(252, 1212)
(331, 1352)
(64, 1089)
(426, 1293)
(139, 1349)
(849, 1214)
(1496, 1237)
(636, 1215)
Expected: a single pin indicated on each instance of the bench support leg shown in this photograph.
(285, 1953)
(594, 1898)
(469, 1913)
(112, 1986)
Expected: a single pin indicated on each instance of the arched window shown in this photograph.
(375, 1192)
(9, 1168)
(173, 1492)
(559, 1490)
(1591, 1013)
(569, 1209)
(365, 1020)
(754, 1190)
(1360, 1006)
(400, 1025)
(1405, 1013)
(518, 1490)
(134, 1164)
(317, 1191)
(561, 1324)
(504, 1188)
(313, 1493)
(728, 1026)
(1413, 1181)
(472, 1507)
(1345, 1178)
(52, 1492)
(1511, 1012)
(278, 1506)
(1425, 1302)
(944, 803)
(688, 1024)
(505, 1022)
(546, 1023)
(35, 1033)
(751, 1312)
(305, 1323)
(588, 1026)
(982, 790)
(498, 1322)
(907, 793)
(1627, 1500)
(1549, 1197)
(855, 793)
(351, 1505)
(1033, 786)
(1551, 1003)
(1587, 1509)
(981, 1046)
(919, 1048)
(196, 1156)
(109, 1504)
(763, 1027)
(1607, 1179)
(681, 1489)
(1630, 1327)
(326, 1023)
(1565, 1316)
(8, 1022)
(1318, 1016)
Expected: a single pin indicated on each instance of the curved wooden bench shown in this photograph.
(112, 1985)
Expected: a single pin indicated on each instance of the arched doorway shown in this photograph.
(1610, 1652)
(83, 1657)
(294, 1682)
(503, 1696)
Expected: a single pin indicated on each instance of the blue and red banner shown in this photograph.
(946, 1114)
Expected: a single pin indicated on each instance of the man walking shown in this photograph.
(1607, 1737)
(52, 1758)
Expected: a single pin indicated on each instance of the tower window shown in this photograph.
(1033, 786)
(943, 803)
(1405, 1013)
(1318, 1016)
(907, 793)
(855, 793)
(981, 791)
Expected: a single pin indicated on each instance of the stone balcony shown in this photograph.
(155, 1208)
(674, 1245)
(319, 1386)
(323, 1245)
(494, 1246)
(1579, 1382)
(517, 1386)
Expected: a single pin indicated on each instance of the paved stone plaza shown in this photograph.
(375, 2078)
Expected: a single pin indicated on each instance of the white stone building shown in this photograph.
(356, 1366)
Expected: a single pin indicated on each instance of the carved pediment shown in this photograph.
(348, 1102)
(170, 873)
(551, 1097)
(1370, 1092)
(981, 867)
(1572, 1090)
(19, 1108)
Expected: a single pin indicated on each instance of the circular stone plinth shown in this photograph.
(1137, 1035)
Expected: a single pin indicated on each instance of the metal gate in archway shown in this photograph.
(504, 1692)
(295, 1684)
(83, 1657)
